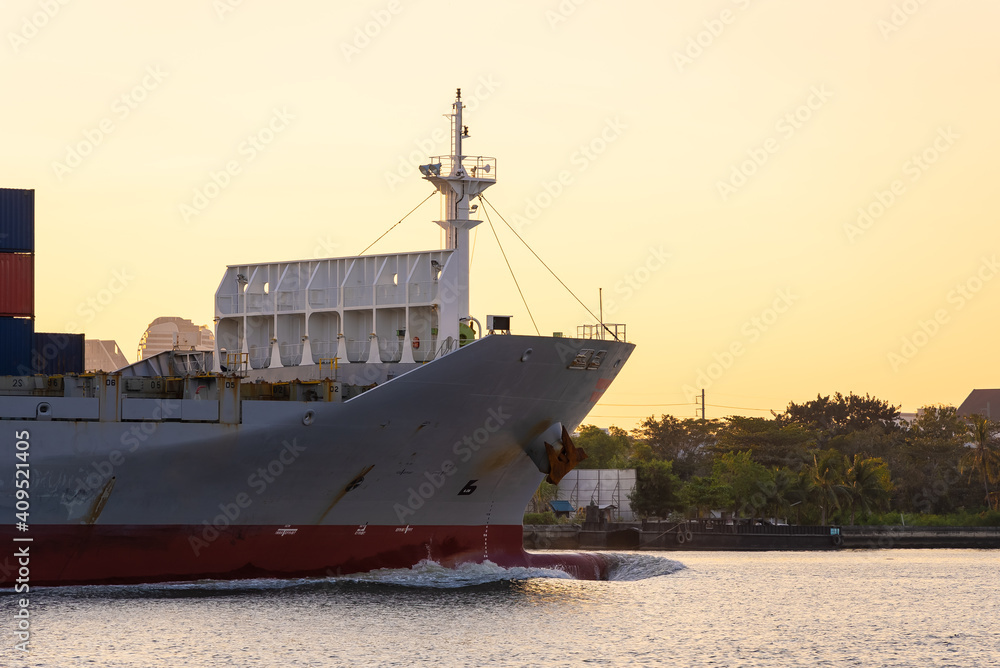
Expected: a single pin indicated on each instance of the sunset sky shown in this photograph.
(779, 198)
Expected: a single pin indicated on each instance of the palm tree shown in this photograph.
(826, 481)
(984, 456)
(866, 483)
(782, 492)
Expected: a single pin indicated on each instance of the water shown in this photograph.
(846, 608)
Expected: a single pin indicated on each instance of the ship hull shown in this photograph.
(129, 554)
(438, 463)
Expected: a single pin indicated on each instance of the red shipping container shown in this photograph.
(17, 284)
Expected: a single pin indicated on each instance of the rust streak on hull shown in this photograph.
(356, 481)
(100, 501)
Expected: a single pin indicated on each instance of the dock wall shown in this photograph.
(634, 537)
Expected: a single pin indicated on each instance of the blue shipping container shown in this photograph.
(57, 353)
(17, 220)
(15, 346)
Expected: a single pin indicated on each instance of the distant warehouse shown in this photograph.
(608, 489)
(981, 402)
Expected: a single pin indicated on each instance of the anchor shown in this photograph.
(563, 461)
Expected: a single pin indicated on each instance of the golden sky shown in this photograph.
(779, 198)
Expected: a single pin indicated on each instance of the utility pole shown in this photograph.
(703, 404)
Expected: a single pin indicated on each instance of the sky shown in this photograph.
(779, 199)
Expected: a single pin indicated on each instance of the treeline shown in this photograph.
(838, 459)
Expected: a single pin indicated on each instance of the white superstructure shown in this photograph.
(396, 307)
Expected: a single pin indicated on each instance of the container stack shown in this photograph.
(17, 280)
(56, 353)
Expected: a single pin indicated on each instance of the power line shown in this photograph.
(688, 403)
(618, 417)
(646, 405)
(748, 396)
(739, 408)
(622, 417)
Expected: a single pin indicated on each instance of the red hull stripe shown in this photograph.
(121, 554)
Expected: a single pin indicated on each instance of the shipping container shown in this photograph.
(17, 220)
(15, 346)
(57, 353)
(17, 285)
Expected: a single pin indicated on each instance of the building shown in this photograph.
(174, 334)
(981, 402)
(607, 488)
(103, 355)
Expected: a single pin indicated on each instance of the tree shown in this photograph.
(770, 442)
(787, 491)
(685, 442)
(826, 480)
(655, 493)
(747, 482)
(841, 415)
(867, 484)
(924, 462)
(938, 434)
(940, 424)
(984, 457)
(873, 441)
(641, 452)
(605, 450)
(702, 493)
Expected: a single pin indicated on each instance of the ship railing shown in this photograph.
(358, 295)
(260, 357)
(606, 331)
(290, 300)
(331, 363)
(390, 350)
(237, 363)
(425, 291)
(324, 349)
(389, 294)
(258, 302)
(425, 353)
(291, 354)
(478, 167)
(229, 304)
(324, 298)
(357, 350)
(448, 345)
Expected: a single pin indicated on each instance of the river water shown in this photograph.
(845, 608)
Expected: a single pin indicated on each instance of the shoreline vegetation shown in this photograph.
(834, 460)
(986, 518)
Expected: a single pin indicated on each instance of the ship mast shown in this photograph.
(459, 178)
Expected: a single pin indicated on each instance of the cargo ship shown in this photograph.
(353, 416)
